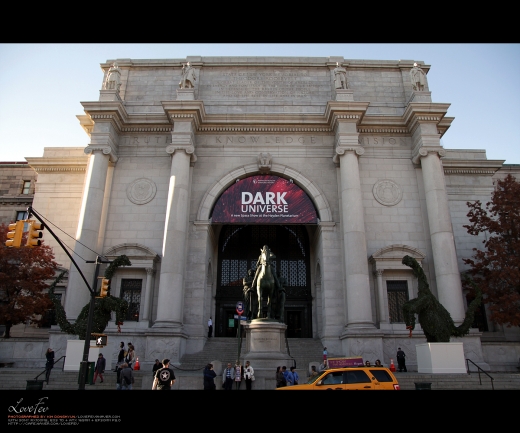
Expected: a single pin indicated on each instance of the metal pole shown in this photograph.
(84, 364)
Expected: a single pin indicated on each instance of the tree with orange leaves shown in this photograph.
(25, 273)
(496, 269)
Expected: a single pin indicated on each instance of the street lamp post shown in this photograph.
(84, 363)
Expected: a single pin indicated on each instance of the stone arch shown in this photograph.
(313, 191)
(140, 255)
(390, 257)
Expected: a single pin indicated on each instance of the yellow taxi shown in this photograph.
(349, 378)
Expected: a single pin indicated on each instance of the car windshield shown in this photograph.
(313, 379)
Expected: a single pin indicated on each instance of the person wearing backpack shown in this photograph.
(127, 377)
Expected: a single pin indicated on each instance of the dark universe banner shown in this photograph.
(264, 200)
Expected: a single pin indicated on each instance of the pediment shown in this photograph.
(391, 257)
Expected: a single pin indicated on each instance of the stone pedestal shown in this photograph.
(265, 349)
(185, 94)
(440, 358)
(418, 96)
(344, 95)
(74, 354)
(109, 95)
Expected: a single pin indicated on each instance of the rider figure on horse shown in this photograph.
(268, 254)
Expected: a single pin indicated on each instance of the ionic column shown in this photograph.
(89, 224)
(359, 306)
(171, 285)
(383, 312)
(449, 287)
(148, 293)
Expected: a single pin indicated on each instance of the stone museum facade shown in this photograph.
(192, 165)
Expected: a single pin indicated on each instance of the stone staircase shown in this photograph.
(302, 351)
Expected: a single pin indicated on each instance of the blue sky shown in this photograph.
(42, 85)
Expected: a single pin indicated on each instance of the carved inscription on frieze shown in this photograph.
(384, 141)
(263, 84)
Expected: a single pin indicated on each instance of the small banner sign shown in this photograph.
(355, 361)
(264, 199)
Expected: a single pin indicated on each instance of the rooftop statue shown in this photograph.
(340, 77)
(436, 322)
(418, 78)
(187, 77)
(113, 78)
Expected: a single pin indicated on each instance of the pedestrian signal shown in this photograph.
(14, 236)
(101, 340)
(34, 234)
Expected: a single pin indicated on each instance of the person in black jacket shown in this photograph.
(120, 355)
(100, 367)
(156, 366)
(209, 378)
(401, 362)
(49, 355)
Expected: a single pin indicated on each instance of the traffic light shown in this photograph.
(105, 287)
(34, 234)
(14, 236)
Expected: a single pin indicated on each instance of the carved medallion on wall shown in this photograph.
(387, 192)
(141, 191)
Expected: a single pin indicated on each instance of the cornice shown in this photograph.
(106, 111)
(417, 112)
(336, 111)
(471, 167)
(5, 201)
(65, 164)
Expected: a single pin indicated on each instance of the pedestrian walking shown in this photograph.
(209, 378)
(227, 377)
(49, 363)
(210, 327)
(401, 362)
(100, 368)
(280, 378)
(119, 367)
(127, 377)
(120, 356)
(296, 376)
(289, 377)
(130, 355)
(164, 377)
(249, 375)
(324, 354)
(239, 374)
(313, 371)
(156, 366)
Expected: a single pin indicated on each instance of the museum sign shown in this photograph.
(264, 199)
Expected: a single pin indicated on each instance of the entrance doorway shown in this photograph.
(239, 248)
(294, 324)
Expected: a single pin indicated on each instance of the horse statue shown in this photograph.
(265, 282)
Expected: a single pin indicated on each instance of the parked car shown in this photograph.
(350, 378)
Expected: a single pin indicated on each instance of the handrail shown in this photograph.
(55, 362)
(289, 350)
(479, 370)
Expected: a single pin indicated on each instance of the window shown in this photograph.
(131, 293)
(26, 187)
(22, 215)
(381, 375)
(397, 296)
(357, 376)
(333, 378)
(49, 318)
